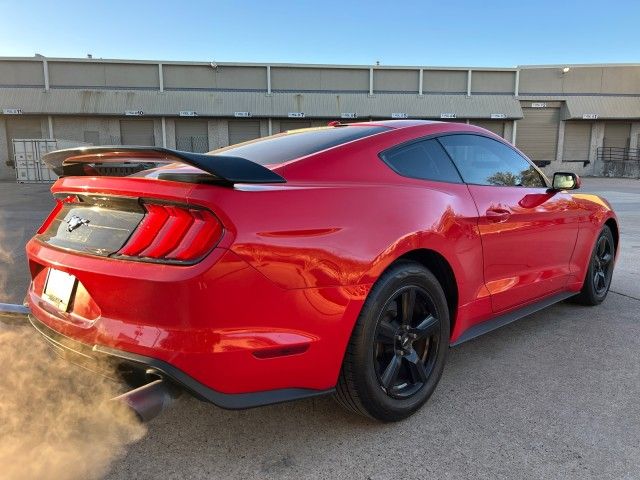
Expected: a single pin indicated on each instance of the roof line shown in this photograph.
(563, 65)
(258, 64)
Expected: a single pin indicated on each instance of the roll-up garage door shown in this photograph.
(617, 134)
(577, 138)
(137, 132)
(494, 126)
(192, 136)
(537, 133)
(243, 130)
(294, 124)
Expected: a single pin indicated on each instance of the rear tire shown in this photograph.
(398, 347)
(598, 278)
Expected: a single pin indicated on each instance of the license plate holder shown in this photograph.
(59, 288)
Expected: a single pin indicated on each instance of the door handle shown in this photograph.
(497, 215)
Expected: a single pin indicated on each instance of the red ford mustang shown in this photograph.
(344, 259)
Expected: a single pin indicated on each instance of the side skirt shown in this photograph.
(505, 319)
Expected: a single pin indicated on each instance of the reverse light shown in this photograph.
(173, 233)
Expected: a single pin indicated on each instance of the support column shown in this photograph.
(45, 70)
(268, 79)
(371, 82)
(164, 132)
(420, 81)
(6, 172)
(170, 128)
(157, 132)
(514, 131)
(212, 133)
(634, 140)
(218, 131)
(469, 73)
(44, 127)
(264, 128)
(114, 136)
(597, 140)
(508, 130)
(223, 132)
(50, 125)
(560, 145)
(160, 78)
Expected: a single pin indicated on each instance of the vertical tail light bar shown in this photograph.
(172, 233)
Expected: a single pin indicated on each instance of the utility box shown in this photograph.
(27, 157)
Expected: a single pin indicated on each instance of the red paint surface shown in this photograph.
(297, 260)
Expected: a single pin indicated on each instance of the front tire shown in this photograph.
(398, 347)
(598, 280)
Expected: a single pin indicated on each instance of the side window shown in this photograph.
(484, 161)
(426, 160)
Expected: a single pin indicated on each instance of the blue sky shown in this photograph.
(455, 33)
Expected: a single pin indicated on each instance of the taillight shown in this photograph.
(54, 213)
(173, 233)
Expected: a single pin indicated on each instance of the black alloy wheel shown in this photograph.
(602, 264)
(600, 270)
(398, 347)
(407, 342)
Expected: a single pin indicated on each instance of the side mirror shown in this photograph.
(565, 181)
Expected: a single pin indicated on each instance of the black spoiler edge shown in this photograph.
(226, 168)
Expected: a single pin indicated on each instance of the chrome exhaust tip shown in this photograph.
(14, 314)
(149, 400)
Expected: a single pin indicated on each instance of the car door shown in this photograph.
(528, 232)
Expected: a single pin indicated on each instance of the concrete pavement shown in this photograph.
(554, 395)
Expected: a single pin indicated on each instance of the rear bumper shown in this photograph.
(97, 357)
(220, 328)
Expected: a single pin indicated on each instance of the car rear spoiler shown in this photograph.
(225, 169)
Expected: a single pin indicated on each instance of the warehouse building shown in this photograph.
(582, 118)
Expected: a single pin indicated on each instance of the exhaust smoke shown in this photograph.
(56, 420)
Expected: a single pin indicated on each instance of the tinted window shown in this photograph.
(287, 146)
(484, 161)
(426, 160)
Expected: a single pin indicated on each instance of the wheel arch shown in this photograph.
(613, 226)
(437, 264)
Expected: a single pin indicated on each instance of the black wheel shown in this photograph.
(398, 347)
(598, 279)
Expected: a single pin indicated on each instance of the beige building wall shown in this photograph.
(86, 100)
(590, 79)
(82, 129)
(21, 73)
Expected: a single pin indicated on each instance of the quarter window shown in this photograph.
(425, 160)
(484, 161)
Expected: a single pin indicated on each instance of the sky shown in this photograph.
(424, 33)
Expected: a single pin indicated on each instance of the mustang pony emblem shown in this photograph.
(75, 221)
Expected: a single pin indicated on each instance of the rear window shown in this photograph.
(287, 146)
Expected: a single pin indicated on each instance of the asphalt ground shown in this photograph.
(554, 395)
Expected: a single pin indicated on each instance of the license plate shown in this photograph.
(59, 288)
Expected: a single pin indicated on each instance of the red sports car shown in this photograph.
(344, 259)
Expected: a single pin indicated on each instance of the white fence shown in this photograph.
(27, 157)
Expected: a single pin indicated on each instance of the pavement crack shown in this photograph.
(625, 295)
